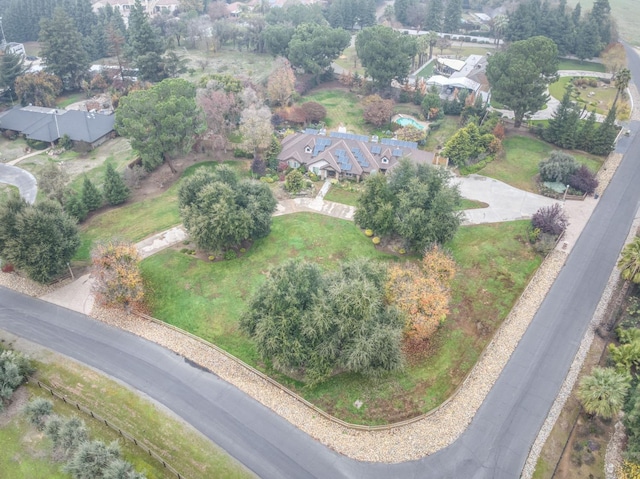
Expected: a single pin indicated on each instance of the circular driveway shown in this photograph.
(23, 180)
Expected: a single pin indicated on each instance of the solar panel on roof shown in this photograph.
(376, 150)
(348, 136)
(311, 131)
(397, 152)
(343, 160)
(399, 143)
(360, 157)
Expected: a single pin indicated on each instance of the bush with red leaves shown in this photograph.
(8, 268)
(550, 220)
(583, 180)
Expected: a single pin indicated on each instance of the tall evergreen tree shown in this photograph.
(11, 67)
(605, 135)
(115, 191)
(563, 127)
(452, 16)
(61, 48)
(91, 196)
(588, 43)
(435, 14)
(587, 132)
(144, 45)
(600, 13)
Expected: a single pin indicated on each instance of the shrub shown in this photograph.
(294, 182)
(314, 111)
(65, 142)
(558, 167)
(376, 240)
(8, 268)
(368, 232)
(267, 179)
(229, 255)
(544, 243)
(242, 250)
(211, 258)
(14, 368)
(37, 411)
(584, 180)
(550, 220)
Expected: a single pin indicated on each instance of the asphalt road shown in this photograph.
(496, 443)
(22, 179)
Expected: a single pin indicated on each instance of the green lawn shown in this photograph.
(439, 137)
(343, 108)
(179, 444)
(427, 70)
(519, 166)
(346, 193)
(571, 64)
(24, 454)
(67, 99)
(136, 221)
(207, 299)
(601, 100)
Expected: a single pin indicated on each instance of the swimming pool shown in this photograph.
(409, 122)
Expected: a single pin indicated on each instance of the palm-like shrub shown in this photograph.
(629, 263)
(603, 392)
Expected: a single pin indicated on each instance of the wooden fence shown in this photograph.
(124, 434)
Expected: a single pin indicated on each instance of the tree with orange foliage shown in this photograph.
(116, 273)
(422, 292)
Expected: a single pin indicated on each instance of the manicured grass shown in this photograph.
(181, 446)
(519, 166)
(346, 193)
(427, 70)
(136, 221)
(439, 137)
(343, 108)
(66, 100)
(467, 204)
(571, 64)
(601, 100)
(207, 299)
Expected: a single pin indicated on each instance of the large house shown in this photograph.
(344, 155)
(456, 75)
(51, 124)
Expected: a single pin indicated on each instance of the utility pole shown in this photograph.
(4, 40)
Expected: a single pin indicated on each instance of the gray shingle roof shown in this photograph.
(50, 124)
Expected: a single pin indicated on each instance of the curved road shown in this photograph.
(22, 179)
(496, 443)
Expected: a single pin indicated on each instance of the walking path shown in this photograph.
(506, 203)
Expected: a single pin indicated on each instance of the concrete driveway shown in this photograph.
(506, 203)
(23, 180)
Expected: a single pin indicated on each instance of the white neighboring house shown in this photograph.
(14, 48)
(152, 7)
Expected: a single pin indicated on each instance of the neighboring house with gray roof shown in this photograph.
(344, 155)
(51, 124)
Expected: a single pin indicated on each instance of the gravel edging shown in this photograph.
(413, 441)
(26, 286)
(576, 367)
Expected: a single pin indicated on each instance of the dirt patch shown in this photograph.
(18, 401)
